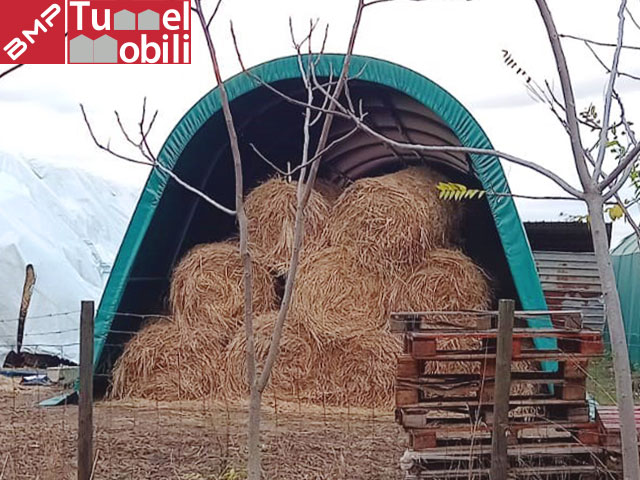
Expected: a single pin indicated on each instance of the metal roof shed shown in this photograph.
(169, 220)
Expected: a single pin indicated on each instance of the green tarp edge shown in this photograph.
(487, 168)
(626, 266)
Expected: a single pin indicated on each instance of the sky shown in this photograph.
(456, 43)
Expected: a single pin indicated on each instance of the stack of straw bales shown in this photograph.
(385, 243)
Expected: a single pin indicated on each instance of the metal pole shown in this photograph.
(499, 457)
(85, 401)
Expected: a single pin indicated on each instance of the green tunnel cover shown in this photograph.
(487, 168)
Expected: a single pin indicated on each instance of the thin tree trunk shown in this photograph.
(254, 461)
(622, 368)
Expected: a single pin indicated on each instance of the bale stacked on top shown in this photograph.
(207, 287)
(391, 222)
(168, 361)
(271, 212)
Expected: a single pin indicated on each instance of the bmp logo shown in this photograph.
(144, 31)
(32, 32)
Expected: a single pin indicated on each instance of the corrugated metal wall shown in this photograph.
(570, 281)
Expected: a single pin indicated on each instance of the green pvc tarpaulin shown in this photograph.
(626, 265)
(156, 233)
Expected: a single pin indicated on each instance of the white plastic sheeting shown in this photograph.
(67, 223)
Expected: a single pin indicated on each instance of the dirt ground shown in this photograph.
(193, 441)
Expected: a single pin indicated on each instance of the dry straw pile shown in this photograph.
(391, 222)
(271, 212)
(207, 288)
(384, 244)
(168, 361)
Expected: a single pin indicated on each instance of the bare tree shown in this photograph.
(307, 174)
(596, 188)
(306, 171)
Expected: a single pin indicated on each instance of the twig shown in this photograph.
(149, 161)
(215, 11)
(595, 42)
(12, 69)
(608, 99)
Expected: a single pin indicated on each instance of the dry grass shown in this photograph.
(195, 440)
(207, 288)
(271, 210)
(389, 223)
(336, 349)
(168, 360)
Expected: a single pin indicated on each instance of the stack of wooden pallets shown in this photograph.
(449, 416)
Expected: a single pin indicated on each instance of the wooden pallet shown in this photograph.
(449, 417)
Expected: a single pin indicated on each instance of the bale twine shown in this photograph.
(334, 296)
(356, 371)
(271, 211)
(296, 357)
(207, 288)
(391, 222)
(168, 360)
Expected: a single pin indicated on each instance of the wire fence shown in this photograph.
(202, 439)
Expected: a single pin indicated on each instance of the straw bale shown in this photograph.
(207, 287)
(334, 296)
(296, 357)
(357, 370)
(448, 280)
(271, 211)
(168, 360)
(391, 222)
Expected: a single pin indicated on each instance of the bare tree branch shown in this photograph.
(12, 69)
(150, 160)
(595, 42)
(215, 11)
(568, 95)
(608, 97)
(313, 171)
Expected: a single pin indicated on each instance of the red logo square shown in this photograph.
(32, 31)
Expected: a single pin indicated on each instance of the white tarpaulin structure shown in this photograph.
(68, 224)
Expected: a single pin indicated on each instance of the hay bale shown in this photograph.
(356, 371)
(297, 354)
(271, 211)
(391, 222)
(167, 360)
(334, 296)
(207, 288)
(448, 280)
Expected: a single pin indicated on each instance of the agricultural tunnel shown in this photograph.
(400, 103)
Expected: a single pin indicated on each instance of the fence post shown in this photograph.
(499, 457)
(85, 401)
